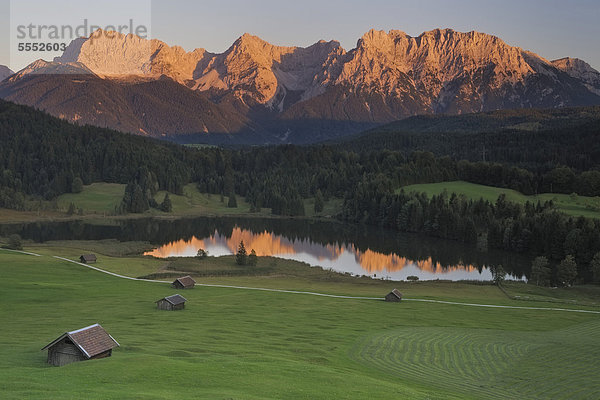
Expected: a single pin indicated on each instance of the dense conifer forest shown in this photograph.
(42, 157)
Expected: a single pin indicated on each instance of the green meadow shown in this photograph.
(246, 344)
(102, 198)
(569, 204)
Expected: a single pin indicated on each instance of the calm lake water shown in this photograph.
(357, 250)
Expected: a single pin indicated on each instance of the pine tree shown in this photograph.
(241, 257)
(319, 202)
(166, 204)
(566, 271)
(595, 267)
(139, 201)
(71, 209)
(540, 272)
(232, 203)
(498, 275)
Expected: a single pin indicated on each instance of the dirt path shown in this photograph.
(335, 296)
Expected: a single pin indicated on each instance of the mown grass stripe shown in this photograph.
(446, 356)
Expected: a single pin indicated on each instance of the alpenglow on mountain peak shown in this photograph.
(392, 63)
(323, 90)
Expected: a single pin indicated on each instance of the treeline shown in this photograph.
(279, 177)
(42, 156)
(534, 229)
(577, 147)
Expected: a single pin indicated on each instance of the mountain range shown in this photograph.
(256, 92)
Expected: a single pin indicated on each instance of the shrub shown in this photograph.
(252, 258)
(77, 185)
(14, 242)
(202, 254)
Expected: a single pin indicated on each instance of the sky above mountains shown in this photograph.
(550, 28)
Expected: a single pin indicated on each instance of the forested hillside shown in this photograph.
(535, 139)
(42, 157)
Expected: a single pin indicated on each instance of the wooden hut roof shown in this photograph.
(186, 281)
(88, 257)
(175, 299)
(396, 293)
(91, 340)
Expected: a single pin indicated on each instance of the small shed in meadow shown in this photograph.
(185, 282)
(87, 258)
(171, 303)
(394, 295)
(89, 343)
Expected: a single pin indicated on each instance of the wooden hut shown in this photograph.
(394, 295)
(89, 343)
(185, 282)
(171, 303)
(87, 258)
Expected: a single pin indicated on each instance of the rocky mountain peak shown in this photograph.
(572, 64)
(5, 72)
(109, 53)
(395, 63)
(581, 70)
(321, 90)
(41, 67)
(377, 39)
(266, 73)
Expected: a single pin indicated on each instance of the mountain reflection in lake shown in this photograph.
(357, 249)
(338, 257)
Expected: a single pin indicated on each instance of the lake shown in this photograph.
(353, 249)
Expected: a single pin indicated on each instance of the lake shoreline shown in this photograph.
(8, 216)
(357, 249)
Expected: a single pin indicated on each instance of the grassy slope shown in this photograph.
(246, 344)
(98, 197)
(576, 206)
(102, 198)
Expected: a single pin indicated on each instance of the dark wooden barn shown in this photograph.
(185, 282)
(89, 343)
(394, 295)
(87, 258)
(171, 303)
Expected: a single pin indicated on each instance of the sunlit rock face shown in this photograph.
(397, 64)
(581, 70)
(266, 73)
(439, 70)
(112, 54)
(284, 94)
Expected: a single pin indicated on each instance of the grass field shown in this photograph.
(240, 344)
(572, 205)
(102, 198)
(97, 197)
